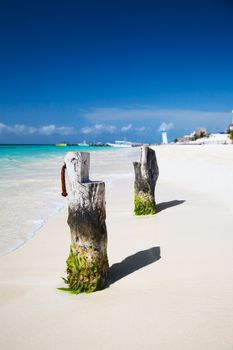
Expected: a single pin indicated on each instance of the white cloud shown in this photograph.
(99, 128)
(105, 128)
(47, 130)
(166, 126)
(18, 129)
(3, 127)
(52, 129)
(87, 130)
(126, 128)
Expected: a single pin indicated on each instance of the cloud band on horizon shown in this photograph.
(46, 130)
(179, 118)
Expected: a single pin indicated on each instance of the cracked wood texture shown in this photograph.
(87, 263)
(146, 175)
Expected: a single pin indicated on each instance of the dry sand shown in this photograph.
(172, 273)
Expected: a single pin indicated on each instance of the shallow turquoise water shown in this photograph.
(30, 188)
(11, 152)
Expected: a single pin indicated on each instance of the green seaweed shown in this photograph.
(69, 290)
(84, 274)
(144, 205)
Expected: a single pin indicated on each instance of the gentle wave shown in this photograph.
(30, 187)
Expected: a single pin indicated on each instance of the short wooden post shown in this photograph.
(87, 263)
(146, 175)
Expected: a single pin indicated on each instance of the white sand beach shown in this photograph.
(171, 285)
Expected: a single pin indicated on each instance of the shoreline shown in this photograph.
(34, 194)
(32, 232)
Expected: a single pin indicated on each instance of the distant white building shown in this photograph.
(214, 139)
(164, 137)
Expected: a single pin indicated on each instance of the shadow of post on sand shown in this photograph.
(133, 263)
(166, 205)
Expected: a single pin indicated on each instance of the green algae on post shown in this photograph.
(144, 206)
(146, 175)
(85, 274)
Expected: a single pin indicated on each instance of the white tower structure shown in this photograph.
(164, 137)
(230, 128)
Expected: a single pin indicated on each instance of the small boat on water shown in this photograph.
(120, 144)
(83, 144)
(124, 144)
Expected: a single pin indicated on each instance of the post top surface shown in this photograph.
(76, 155)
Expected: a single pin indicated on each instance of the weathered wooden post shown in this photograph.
(87, 263)
(146, 175)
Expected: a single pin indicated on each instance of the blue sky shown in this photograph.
(106, 70)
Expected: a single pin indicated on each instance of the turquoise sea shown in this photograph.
(17, 152)
(30, 188)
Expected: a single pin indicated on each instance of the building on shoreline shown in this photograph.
(201, 136)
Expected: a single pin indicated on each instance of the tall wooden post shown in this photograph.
(146, 175)
(87, 263)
